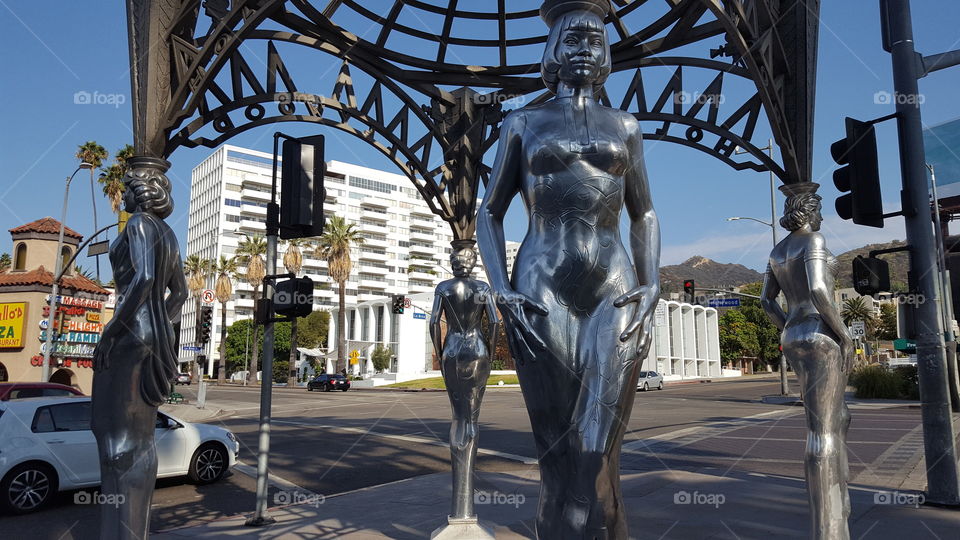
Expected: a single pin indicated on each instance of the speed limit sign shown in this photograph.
(858, 329)
(207, 296)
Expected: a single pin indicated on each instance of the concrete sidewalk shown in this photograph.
(662, 504)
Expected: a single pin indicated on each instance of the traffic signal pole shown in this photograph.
(939, 437)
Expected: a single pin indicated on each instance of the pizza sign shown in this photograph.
(12, 315)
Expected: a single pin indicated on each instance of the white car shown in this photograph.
(46, 446)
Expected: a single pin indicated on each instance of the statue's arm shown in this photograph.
(644, 234)
(768, 299)
(435, 315)
(141, 238)
(177, 292)
(816, 262)
(494, 322)
(504, 184)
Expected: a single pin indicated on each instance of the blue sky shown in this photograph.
(56, 49)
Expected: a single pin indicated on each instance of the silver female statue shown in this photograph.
(136, 358)
(819, 348)
(465, 363)
(577, 310)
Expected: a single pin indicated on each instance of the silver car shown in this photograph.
(648, 380)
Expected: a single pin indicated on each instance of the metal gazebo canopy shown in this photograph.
(434, 114)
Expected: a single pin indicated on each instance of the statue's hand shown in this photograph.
(513, 306)
(646, 299)
(848, 352)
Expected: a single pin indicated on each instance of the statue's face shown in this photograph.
(581, 50)
(129, 199)
(816, 218)
(462, 262)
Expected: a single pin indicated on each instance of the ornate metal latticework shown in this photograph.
(198, 78)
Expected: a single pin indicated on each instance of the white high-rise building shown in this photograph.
(406, 247)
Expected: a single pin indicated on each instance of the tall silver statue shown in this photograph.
(578, 310)
(464, 354)
(819, 348)
(136, 358)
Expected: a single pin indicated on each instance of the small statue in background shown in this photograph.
(819, 348)
(136, 359)
(464, 354)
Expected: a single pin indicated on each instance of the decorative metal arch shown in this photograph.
(176, 68)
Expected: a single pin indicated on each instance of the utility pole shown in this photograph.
(938, 433)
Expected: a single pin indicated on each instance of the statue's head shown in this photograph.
(147, 188)
(802, 206)
(463, 258)
(577, 50)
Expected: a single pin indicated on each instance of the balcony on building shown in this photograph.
(425, 235)
(422, 248)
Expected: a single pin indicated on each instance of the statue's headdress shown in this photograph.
(552, 9)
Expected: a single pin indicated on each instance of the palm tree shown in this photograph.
(334, 246)
(225, 269)
(196, 269)
(293, 262)
(81, 271)
(250, 253)
(112, 178)
(92, 153)
(854, 309)
(5, 263)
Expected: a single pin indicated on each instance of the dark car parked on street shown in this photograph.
(328, 382)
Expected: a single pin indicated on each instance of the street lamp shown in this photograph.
(56, 276)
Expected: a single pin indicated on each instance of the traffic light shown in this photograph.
(294, 297)
(870, 275)
(204, 325)
(301, 188)
(398, 302)
(689, 290)
(860, 175)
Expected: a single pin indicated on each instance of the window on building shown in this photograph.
(233, 219)
(372, 185)
(232, 202)
(64, 259)
(20, 257)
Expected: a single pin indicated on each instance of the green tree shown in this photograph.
(854, 309)
(738, 336)
(381, 358)
(887, 322)
(238, 345)
(111, 179)
(768, 335)
(250, 253)
(312, 330)
(5, 263)
(334, 246)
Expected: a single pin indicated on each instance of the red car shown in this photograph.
(21, 390)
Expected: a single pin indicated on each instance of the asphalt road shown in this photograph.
(328, 443)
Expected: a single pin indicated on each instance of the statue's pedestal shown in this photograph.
(463, 529)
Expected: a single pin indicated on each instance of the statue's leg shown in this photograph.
(550, 385)
(124, 428)
(595, 508)
(825, 459)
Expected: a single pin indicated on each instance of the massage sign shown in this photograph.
(76, 331)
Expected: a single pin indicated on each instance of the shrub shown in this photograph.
(381, 359)
(877, 382)
(910, 382)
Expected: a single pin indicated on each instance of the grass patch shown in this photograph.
(437, 382)
(878, 382)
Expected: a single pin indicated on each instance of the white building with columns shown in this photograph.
(406, 247)
(686, 341)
